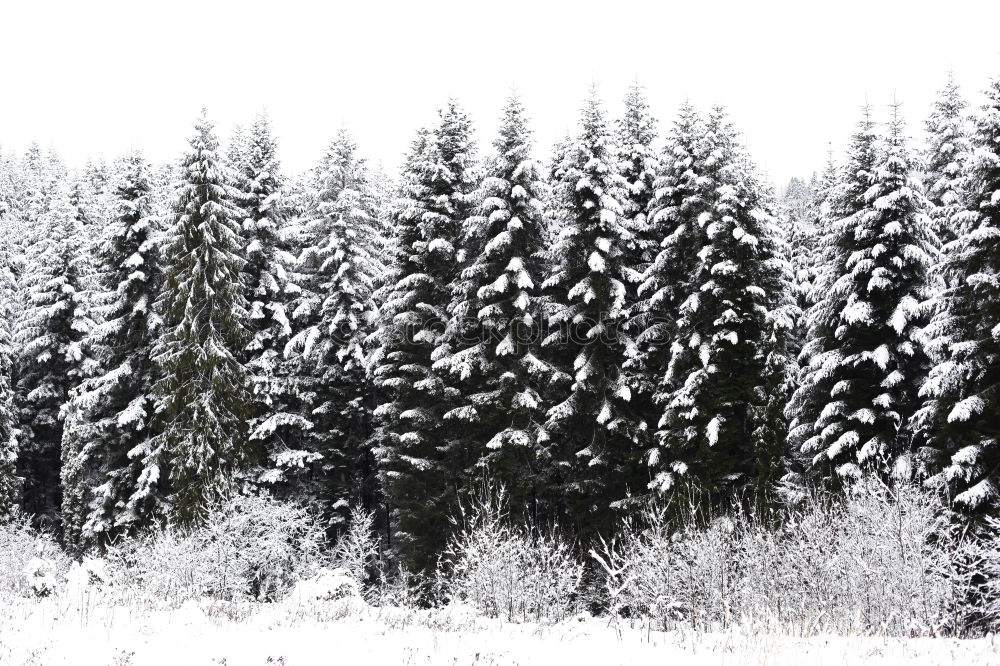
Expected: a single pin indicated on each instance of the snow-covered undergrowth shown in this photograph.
(868, 579)
(510, 571)
(876, 562)
(253, 548)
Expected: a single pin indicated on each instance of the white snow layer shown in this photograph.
(56, 631)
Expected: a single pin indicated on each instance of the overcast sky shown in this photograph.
(96, 78)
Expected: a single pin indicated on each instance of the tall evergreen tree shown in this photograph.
(799, 216)
(863, 363)
(417, 453)
(962, 392)
(681, 195)
(948, 150)
(636, 132)
(712, 387)
(203, 386)
(592, 432)
(110, 415)
(270, 285)
(334, 316)
(50, 361)
(10, 483)
(497, 305)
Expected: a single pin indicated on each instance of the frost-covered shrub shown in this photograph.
(253, 547)
(397, 588)
(869, 562)
(88, 573)
(513, 572)
(669, 574)
(328, 585)
(40, 577)
(31, 562)
(357, 549)
(974, 574)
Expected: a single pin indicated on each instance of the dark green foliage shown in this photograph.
(496, 308)
(592, 433)
(959, 418)
(110, 414)
(727, 326)
(863, 362)
(419, 454)
(203, 386)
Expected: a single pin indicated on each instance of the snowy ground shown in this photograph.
(49, 632)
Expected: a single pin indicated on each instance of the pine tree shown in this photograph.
(680, 197)
(727, 311)
(7, 187)
(258, 184)
(333, 316)
(38, 177)
(799, 218)
(417, 454)
(111, 413)
(823, 215)
(203, 386)
(962, 392)
(10, 483)
(50, 360)
(497, 306)
(778, 349)
(592, 432)
(636, 133)
(947, 153)
(270, 288)
(863, 363)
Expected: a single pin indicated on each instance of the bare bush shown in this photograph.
(357, 549)
(31, 562)
(865, 563)
(514, 572)
(974, 574)
(253, 547)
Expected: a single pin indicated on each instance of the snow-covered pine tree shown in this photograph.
(636, 131)
(778, 350)
(110, 414)
(863, 364)
(592, 432)
(38, 176)
(497, 304)
(7, 188)
(333, 318)
(554, 211)
(825, 194)
(50, 359)
(712, 389)
(162, 178)
(94, 195)
(680, 196)
(962, 393)
(203, 388)
(798, 216)
(416, 450)
(947, 151)
(10, 483)
(270, 289)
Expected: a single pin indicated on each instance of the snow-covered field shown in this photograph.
(51, 632)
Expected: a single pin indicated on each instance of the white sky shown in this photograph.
(96, 78)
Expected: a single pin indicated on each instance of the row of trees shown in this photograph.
(627, 320)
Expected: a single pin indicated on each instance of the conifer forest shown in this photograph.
(624, 384)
